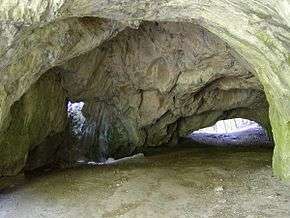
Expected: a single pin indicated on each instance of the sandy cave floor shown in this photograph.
(200, 181)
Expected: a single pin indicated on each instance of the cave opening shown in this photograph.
(137, 96)
(132, 103)
(83, 145)
(129, 95)
(143, 75)
(233, 132)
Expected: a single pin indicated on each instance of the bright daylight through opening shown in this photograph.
(238, 131)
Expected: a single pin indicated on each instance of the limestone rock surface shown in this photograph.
(36, 119)
(151, 86)
(151, 70)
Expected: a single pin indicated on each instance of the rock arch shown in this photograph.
(257, 30)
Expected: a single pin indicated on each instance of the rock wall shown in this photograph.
(36, 120)
(38, 35)
(151, 86)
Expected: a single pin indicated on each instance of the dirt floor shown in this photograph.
(201, 181)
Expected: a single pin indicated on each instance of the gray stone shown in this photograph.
(193, 58)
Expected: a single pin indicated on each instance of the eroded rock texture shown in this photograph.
(145, 85)
(150, 86)
(36, 120)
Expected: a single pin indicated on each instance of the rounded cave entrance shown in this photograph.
(149, 87)
(232, 132)
(89, 82)
(143, 88)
